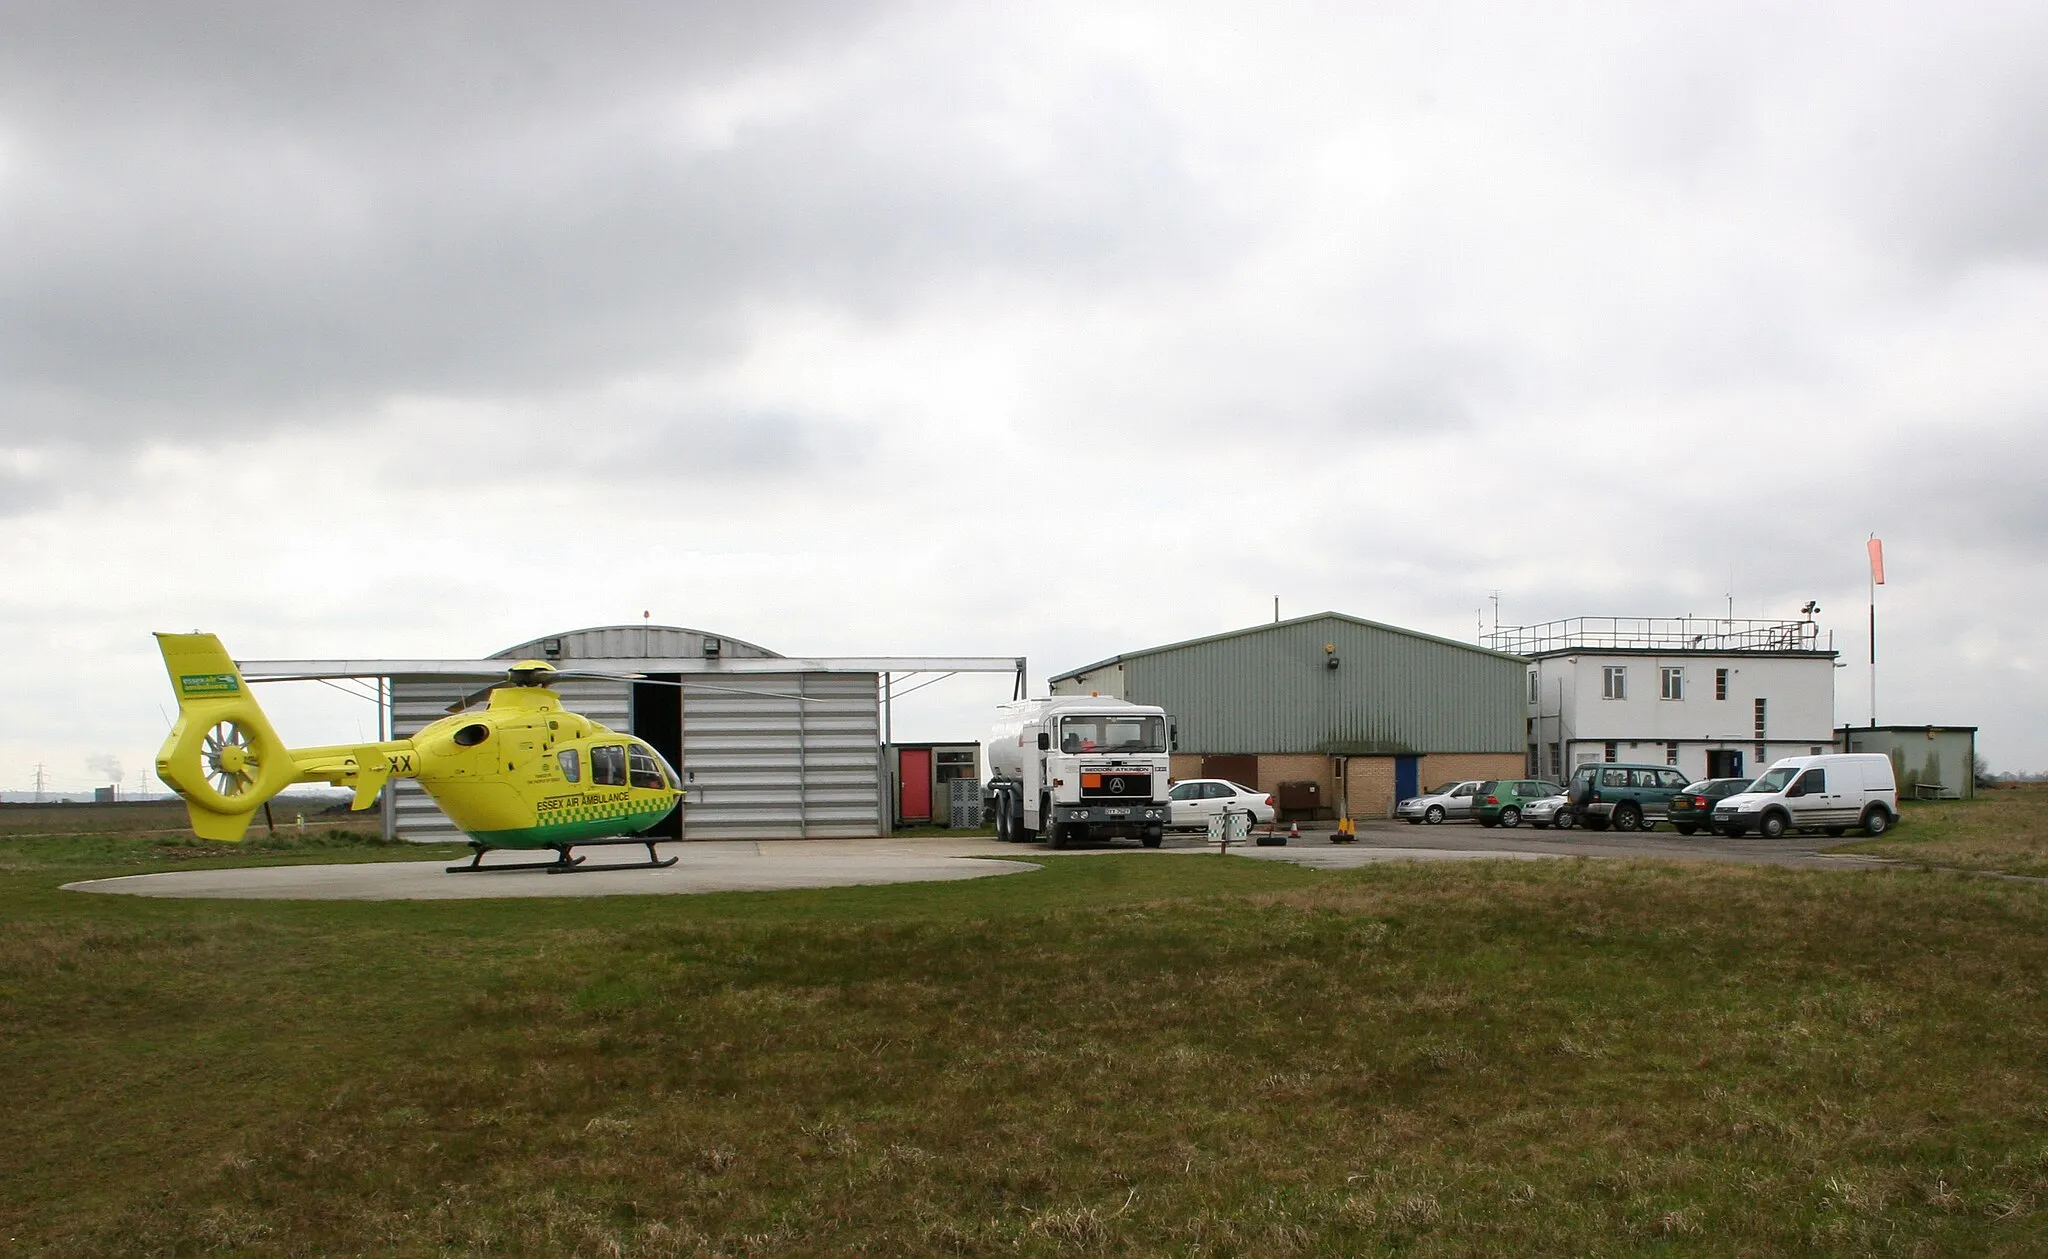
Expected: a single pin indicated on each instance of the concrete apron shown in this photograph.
(742, 866)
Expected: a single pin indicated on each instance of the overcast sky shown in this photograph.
(1042, 329)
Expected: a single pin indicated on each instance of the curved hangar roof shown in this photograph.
(635, 642)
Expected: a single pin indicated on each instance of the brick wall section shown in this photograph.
(1316, 768)
(1369, 779)
(1457, 767)
(1370, 782)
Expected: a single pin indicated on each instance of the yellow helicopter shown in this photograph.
(522, 773)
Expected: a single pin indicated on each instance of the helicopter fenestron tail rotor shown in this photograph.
(231, 759)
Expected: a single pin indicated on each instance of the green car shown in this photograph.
(1500, 802)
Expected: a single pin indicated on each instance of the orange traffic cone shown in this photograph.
(1294, 830)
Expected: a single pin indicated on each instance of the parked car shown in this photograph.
(1830, 792)
(1627, 797)
(1693, 809)
(1192, 803)
(1549, 811)
(1502, 802)
(1451, 800)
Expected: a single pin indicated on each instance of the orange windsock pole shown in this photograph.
(1876, 547)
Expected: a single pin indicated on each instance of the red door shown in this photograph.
(914, 789)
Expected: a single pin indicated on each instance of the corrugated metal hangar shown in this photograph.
(1367, 713)
(768, 746)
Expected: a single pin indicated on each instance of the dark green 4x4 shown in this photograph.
(1628, 797)
(1500, 803)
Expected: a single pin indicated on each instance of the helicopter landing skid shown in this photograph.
(563, 862)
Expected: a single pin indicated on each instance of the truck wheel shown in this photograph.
(1002, 818)
(1060, 833)
(1876, 821)
(1771, 825)
(1627, 818)
(1154, 836)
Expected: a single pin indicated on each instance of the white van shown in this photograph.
(1830, 793)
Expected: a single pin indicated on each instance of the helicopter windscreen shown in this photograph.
(646, 769)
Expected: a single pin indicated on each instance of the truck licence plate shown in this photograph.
(1117, 812)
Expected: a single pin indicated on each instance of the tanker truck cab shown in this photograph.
(1079, 768)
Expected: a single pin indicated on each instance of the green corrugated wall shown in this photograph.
(1269, 689)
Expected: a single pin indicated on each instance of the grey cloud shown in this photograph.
(696, 446)
(250, 267)
(1972, 487)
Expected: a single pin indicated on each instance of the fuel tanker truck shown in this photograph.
(1078, 768)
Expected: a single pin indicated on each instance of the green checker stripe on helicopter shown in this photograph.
(577, 825)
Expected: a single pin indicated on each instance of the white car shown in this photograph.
(1549, 811)
(1452, 800)
(1192, 803)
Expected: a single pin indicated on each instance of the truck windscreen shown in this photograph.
(1104, 732)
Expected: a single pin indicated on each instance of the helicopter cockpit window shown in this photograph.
(572, 767)
(646, 770)
(608, 766)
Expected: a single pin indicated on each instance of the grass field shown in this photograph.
(2003, 829)
(1130, 1054)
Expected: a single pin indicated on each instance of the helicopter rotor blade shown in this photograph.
(642, 679)
(472, 699)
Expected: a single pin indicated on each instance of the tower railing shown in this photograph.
(1657, 633)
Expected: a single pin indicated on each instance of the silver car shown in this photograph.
(1450, 801)
(1549, 811)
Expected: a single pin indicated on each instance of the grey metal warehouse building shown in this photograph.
(1367, 713)
(768, 746)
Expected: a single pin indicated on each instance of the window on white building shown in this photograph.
(1608, 751)
(1720, 684)
(1762, 712)
(1674, 683)
(1671, 754)
(1535, 687)
(1614, 681)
